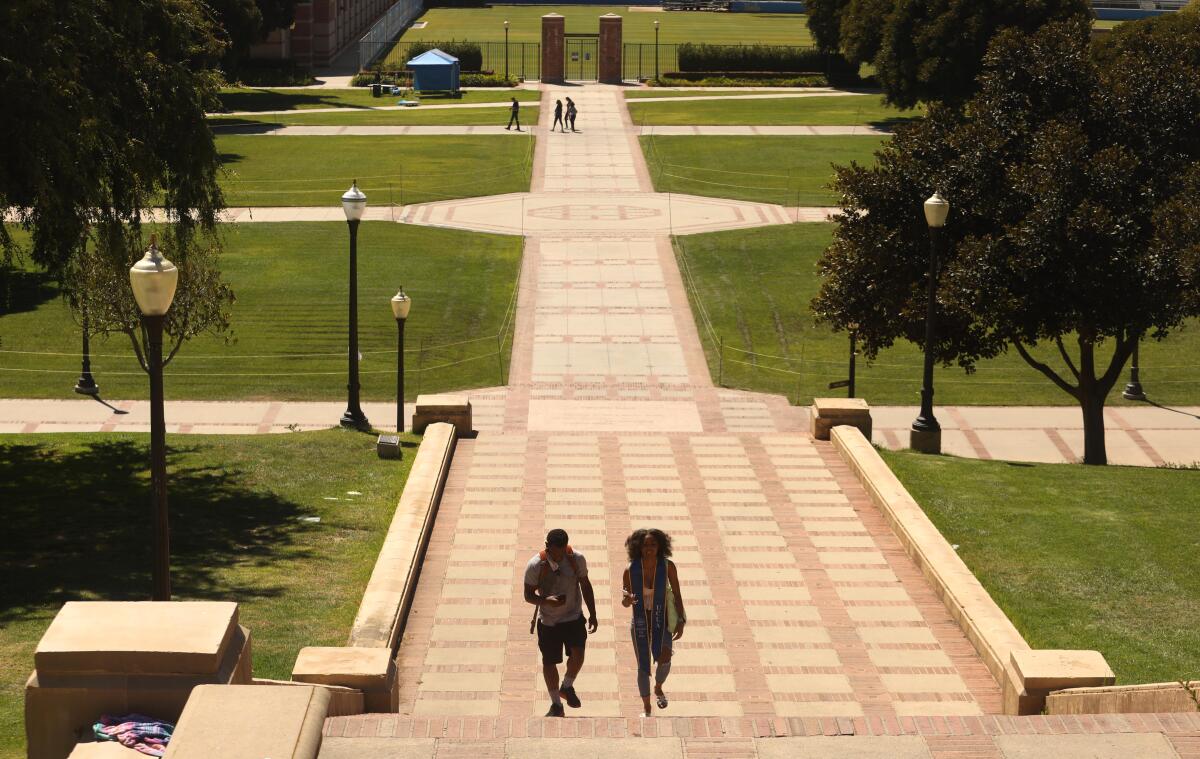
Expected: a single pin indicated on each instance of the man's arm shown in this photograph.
(589, 598)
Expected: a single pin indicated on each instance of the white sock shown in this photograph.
(568, 681)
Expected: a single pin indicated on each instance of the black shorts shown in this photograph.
(554, 639)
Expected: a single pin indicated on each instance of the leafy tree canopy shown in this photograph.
(246, 22)
(1072, 177)
(103, 119)
(104, 116)
(929, 50)
(825, 23)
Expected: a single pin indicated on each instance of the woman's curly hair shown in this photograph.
(633, 544)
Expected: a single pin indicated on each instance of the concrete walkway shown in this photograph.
(1146, 736)
(861, 130)
(802, 603)
(1138, 436)
(380, 130)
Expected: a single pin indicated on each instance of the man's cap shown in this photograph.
(557, 538)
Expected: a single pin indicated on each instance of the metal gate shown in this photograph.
(580, 52)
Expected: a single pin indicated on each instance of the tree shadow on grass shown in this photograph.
(265, 100)
(22, 291)
(77, 526)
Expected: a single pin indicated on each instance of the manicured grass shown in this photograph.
(263, 99)
(757, 285)
(80, 506)
(786, 170)
(1078, 557)
(845, 110)
(315, 171)
(687, 92)
(290, 280)
(406, 116)
(525, 25)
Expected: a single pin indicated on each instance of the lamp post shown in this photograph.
(853, 359)
(1133, 390)
(506, 50)
(656, 51)
(926, 434)
(153, 280)
(354, 203)
(86, 385)
(401, 303)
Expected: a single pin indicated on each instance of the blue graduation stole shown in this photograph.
(648, 643)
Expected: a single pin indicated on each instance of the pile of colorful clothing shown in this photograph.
(143, 734)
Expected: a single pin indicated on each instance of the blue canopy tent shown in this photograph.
(434, 71)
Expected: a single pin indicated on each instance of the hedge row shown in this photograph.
(469, 55)
(747, 58)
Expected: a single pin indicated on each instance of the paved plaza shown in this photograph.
(811, 632)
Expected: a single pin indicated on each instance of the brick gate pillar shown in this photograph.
(609, 66)
(553, 29)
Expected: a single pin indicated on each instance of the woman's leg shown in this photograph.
(662, 670)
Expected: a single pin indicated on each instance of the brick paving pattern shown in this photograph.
(801, 602)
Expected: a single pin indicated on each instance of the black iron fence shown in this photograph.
(647, 60)
(519, 59)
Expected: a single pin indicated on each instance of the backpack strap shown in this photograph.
(543, 570)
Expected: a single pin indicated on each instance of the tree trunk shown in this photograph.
(1091, 400)
(1094, 451)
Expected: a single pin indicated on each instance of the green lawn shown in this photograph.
(266, 99)
(525, 25)
(290, 280)
(1078, 557)
(424, 116)
(80, 506)
(845, 110)
(315, 171)
(757, 285)
(664, 92)
(786, 170)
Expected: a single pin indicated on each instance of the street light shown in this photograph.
(401, 303)
(656, 51)
(853, 357)
(1133, 390)
(506, 50)
(153, 280)
(354, 203)
(926, 433)
(86, 385)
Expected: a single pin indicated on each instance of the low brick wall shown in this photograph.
(1024, 675)
(1127, 699)
(385, 604)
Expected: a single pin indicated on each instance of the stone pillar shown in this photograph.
(608, 69)
(553, 29)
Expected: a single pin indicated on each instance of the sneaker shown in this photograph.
(556, 710)
(568, 694)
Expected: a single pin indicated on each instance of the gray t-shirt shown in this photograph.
(560, 583)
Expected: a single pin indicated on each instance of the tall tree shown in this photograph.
(104, 116)
(1072, 178)
(245, 22)
(824, 19)
(97, 281)
(932, 50)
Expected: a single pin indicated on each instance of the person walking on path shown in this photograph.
(651, 587)
(515, 117)
(557, 584)
(558, 117)
(571, 112)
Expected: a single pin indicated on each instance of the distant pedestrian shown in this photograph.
(515, 117)
(571, 111)
(557, 584)
(558, 117)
